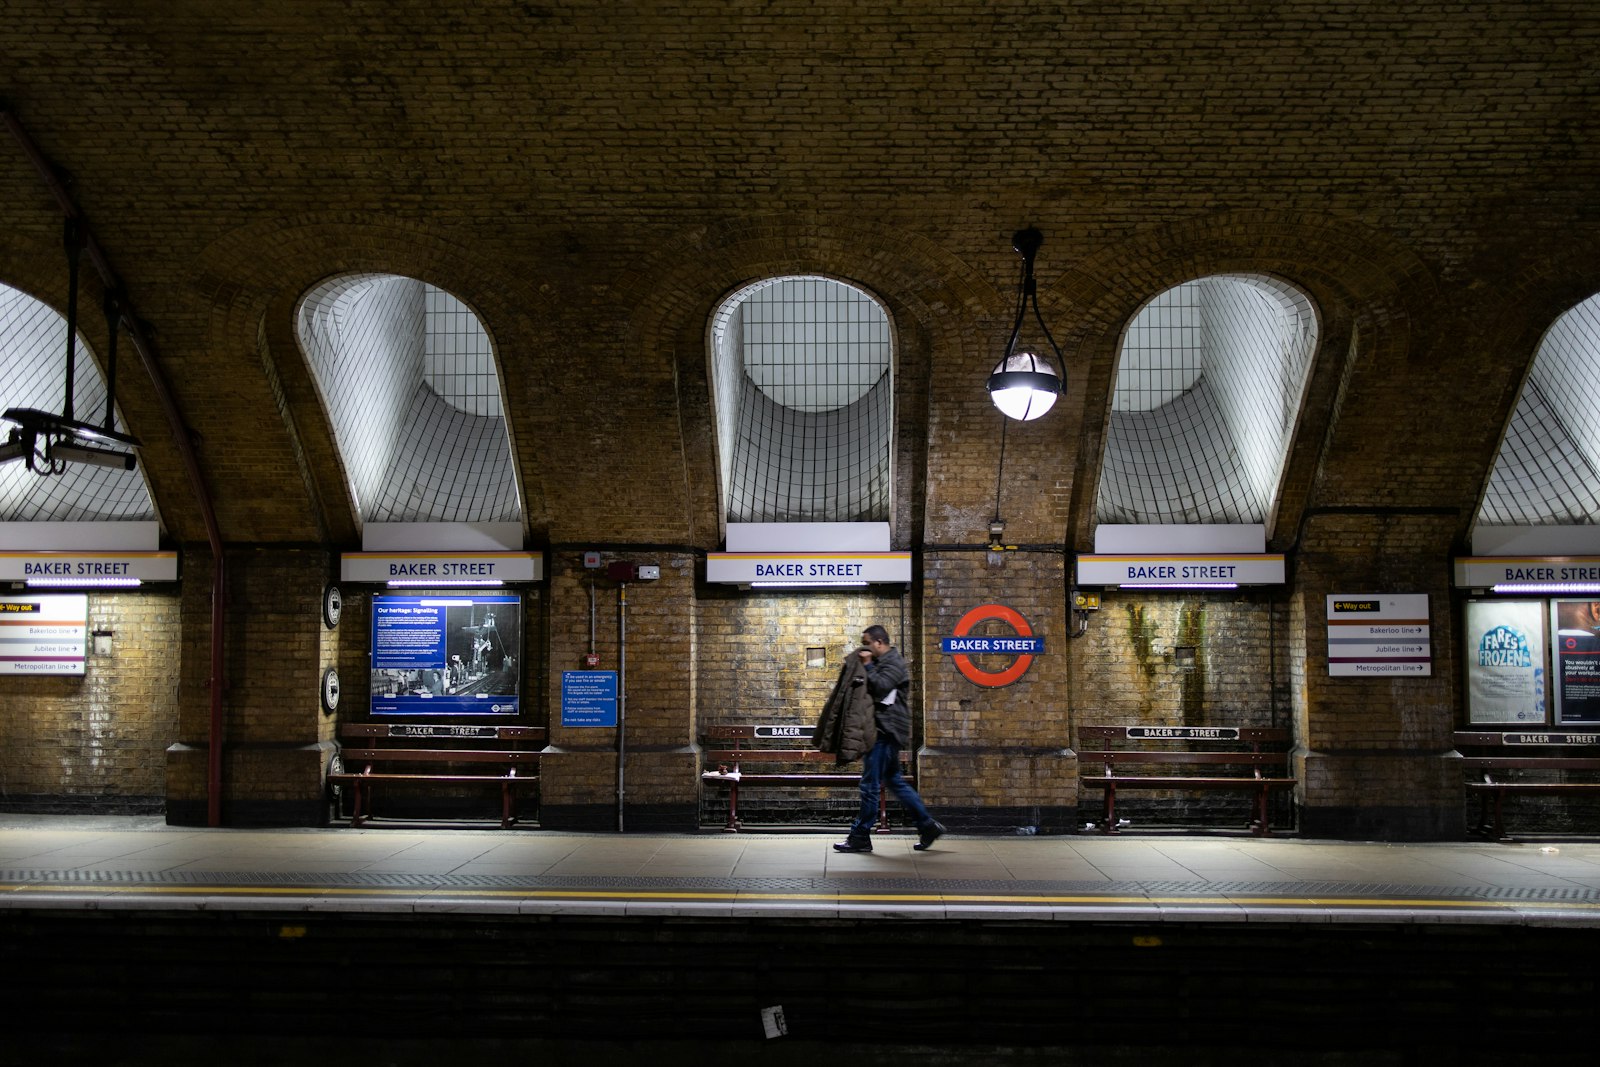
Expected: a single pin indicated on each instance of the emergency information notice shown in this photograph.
(43, 634)
(1375, 635)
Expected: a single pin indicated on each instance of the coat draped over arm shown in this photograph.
(846, 727)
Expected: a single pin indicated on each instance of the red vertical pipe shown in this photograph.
(180, 434)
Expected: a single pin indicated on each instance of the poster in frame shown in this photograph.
(446, 655)
(1575, 640)
(1506, 662)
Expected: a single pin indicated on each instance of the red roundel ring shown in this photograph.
(970, 670)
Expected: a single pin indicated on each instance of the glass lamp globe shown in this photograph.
(1024, 386)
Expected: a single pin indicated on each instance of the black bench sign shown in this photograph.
(1550, 739)
(1186, 733)
(784, 731)
(400, 730)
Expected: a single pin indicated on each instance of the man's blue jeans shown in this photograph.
(880, 768)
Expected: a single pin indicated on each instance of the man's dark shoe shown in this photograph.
(850, 844)
(927, 835)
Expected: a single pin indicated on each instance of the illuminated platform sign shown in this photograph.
(802, 569)
(88, 568)
(441, 568)
(1178, 571)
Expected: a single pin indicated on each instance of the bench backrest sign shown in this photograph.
(962, 645)
(1184, 733)
(1550, 739)
(429, 730)
(804, 732)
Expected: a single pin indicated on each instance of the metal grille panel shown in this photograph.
(1209, 387)
(805, 414)
(33, 344)
(408, 376)
(1548, 470)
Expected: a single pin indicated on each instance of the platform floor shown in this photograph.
(97, 862)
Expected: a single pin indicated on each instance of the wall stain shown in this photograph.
(1141, 634)
(1192, 633)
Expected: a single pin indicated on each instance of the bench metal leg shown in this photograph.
(357, 791)
(1108, 823)
(1261, 829)
(508, 813)
(733, 825)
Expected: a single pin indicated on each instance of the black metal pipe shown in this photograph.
(180, 434)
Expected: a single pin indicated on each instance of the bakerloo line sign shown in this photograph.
(962, 645)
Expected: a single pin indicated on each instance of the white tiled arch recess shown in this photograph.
(33, 346)
(1209, 387)
(803, 377)
(407, 374)
(1548, 469)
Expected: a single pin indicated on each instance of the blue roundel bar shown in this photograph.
(1004, 646)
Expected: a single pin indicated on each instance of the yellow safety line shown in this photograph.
(865, 898)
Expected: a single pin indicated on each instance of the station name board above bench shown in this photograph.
(441, 566)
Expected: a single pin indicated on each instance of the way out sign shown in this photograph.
(1021, 644)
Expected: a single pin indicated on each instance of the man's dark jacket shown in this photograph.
(846, 727)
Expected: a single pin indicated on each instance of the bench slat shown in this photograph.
(384, 776)
(1532, 763)
(438, 732)
(440, 755)
(777, 755)
(1132, 756)
(1248, 734)
(1186, 782)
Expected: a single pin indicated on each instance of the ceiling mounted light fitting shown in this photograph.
(48, 442)
(1024, 384)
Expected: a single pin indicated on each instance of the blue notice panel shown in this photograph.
(446, 655)
(588, 698)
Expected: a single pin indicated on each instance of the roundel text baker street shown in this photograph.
(962, 645)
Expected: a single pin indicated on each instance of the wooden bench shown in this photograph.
(730, 749)
(428, 754)
(1263, 750)
(1492, 755)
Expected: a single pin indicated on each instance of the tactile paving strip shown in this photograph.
(993, 888)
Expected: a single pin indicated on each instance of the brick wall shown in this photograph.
(96, 743)
(593, 184)
(276, 739)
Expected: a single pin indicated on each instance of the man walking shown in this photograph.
(887, 681)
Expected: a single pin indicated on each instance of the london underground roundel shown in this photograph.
(961, 646)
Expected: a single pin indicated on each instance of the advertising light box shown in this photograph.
(446, 655)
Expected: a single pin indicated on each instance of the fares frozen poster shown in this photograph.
(446, 655)
(1506, 661)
